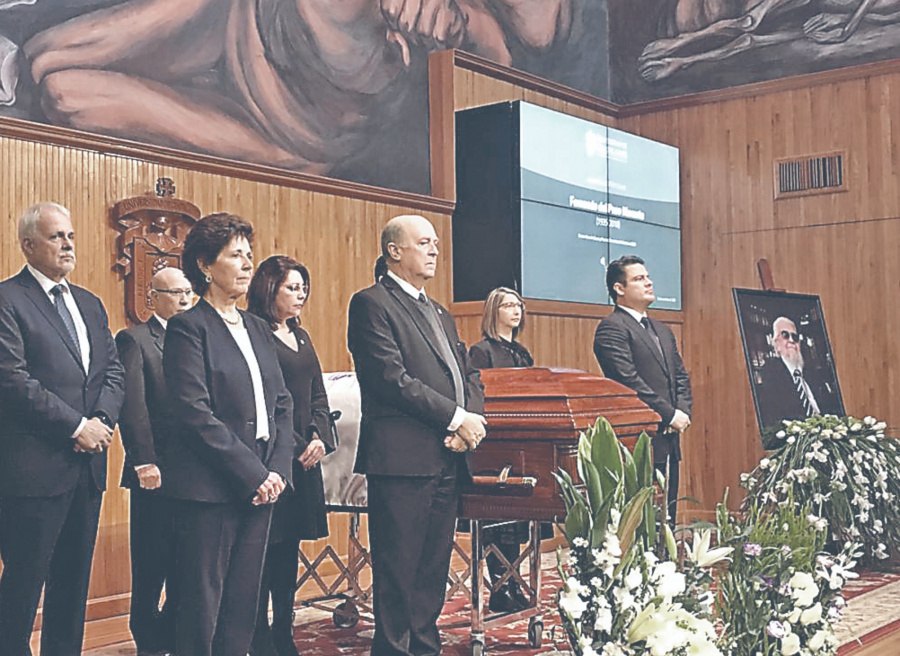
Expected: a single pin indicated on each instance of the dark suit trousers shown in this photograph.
(47, 541)
(152, 533)
(220, 550)
(671, 453)
(412, 521)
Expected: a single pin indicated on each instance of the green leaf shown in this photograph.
(631, 477)
(593, 486)
(578, 522)
(670, 542)
(631, 517)
(606, 455)
(643, 460)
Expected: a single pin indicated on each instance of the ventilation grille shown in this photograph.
(813, 174)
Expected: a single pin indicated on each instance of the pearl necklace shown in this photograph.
(230, 322)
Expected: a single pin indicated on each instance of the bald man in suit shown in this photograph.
(148, 419)
(420, 414)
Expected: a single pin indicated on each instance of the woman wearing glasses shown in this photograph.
(278, 292)
(502, 322)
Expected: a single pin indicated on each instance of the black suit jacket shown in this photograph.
(45, 391)
(778, 398)
(627, 354)
(148, 415)
(406, 387)
(213, 456)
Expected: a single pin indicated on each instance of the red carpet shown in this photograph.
(873, 611)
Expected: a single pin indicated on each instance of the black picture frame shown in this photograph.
(775, 396)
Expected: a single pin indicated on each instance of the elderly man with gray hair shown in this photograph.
(61, 389)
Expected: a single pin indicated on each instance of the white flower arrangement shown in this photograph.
(619, 598)
(781, 594)
(845, 470)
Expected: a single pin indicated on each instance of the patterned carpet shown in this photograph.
(873, 611)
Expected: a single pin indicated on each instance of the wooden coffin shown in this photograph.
(534, 417)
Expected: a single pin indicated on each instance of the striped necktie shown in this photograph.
(801, 391)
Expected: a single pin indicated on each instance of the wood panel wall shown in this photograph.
(337, 237)
(841, 246)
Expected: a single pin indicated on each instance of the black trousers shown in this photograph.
(220, 549)
(152, 533)
(31, 529)
(412, 522)
(672, 501)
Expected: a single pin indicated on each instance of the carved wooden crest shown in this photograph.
(153, 232)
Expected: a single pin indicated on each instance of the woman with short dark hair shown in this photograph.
(278, 293)
(503, 320)
(231, 458)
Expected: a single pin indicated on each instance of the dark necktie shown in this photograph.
(66, 316)
(443, 346)
(801, 391)
(645, 322)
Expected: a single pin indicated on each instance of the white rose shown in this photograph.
(790, 645)
(817, 641)
(812, 614)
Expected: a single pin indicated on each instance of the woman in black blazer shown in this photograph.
(278, 292)
(502, 321)
(232, 456)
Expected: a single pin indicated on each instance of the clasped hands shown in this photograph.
(93, 437)
(269, 490)
(469, 434)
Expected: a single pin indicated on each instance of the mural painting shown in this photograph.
(697, 45)
(324, 87)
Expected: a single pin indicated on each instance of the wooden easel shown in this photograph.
(765, 276)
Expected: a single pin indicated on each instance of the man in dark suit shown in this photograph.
(790, 389)
(420, 405)
(148, 418)
(642, 354)
(61, 389)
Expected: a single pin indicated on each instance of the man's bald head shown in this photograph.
(170, 292)
(409, 244)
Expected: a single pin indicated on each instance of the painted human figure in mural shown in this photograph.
(299, 84)
(747, 24)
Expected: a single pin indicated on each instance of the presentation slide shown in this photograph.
(565, 253)
(563, 159)
(643, 177)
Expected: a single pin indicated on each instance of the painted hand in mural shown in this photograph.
(433, 24)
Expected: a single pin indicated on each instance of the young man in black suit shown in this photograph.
(61, 389)
(148, 419)
(420, 414)
(642, 354)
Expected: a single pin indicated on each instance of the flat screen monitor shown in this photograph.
(546, 200)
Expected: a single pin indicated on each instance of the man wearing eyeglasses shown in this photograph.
(789, 387)
(147, 420)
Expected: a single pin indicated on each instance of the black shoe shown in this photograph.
(284, 643)
(519, 597)
(502, 601)
(262, 644)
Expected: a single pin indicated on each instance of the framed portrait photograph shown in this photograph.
(788, 356)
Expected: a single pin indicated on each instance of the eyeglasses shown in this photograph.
(794, 337)
(176, 292)
(511, 305)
